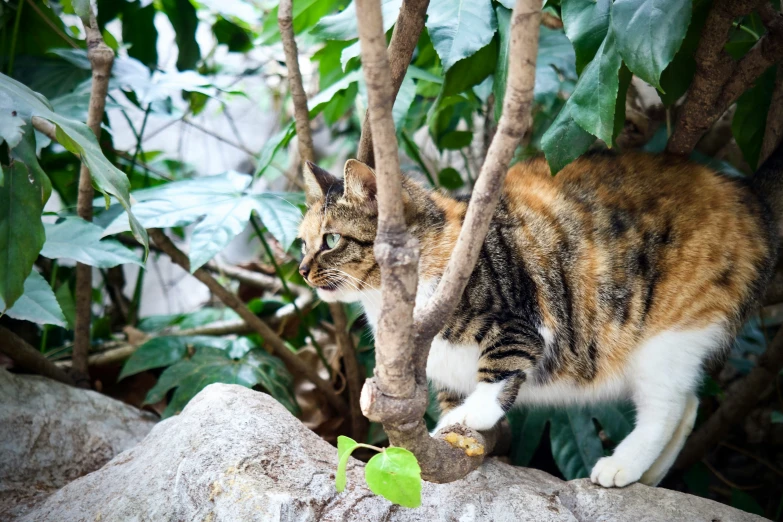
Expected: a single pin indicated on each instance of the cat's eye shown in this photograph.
(331, 240)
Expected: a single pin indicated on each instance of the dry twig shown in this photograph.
(397, 395)
(29, 358)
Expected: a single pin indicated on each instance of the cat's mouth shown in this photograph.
(328, 287)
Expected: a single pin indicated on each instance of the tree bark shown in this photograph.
(405, 36)
(101, 60)
(397, 395)
(29, 358)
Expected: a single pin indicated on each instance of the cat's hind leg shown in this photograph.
(659, 469)
(663, 374)
(507, 356)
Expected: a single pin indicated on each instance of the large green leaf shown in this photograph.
(750, 118)
(75, 238)
(555, 65)
(306, 14)
(138, 30)
(585, 23)
(565, 140)
(459, 28)
(224, 204)
(527, 427)
(593, 101)
(471, 71)
(345, 446)
(77, 138)
(21, 230)
(37, 304)
(501, 70)
(343, 25)
(167, 350)
(182, 16)
(575, 443)
(649, 33)
(395, 474)
(211, 365)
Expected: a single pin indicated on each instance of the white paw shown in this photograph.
(473, 414)
(613, 472)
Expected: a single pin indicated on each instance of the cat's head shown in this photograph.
(338, 231)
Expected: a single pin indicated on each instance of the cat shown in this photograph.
(619, 278)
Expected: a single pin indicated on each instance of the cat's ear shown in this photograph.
(360, 182)
(318, 182)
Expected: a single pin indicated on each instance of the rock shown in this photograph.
(51, 434)
(234, 454)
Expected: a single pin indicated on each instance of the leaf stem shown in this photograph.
(14, 36)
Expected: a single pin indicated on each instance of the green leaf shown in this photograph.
(277, 141)
(555, 65)
(37, 304)
(210, 365)
(81, 8)
(182, 16)
(25, 152)
(649, 33)
(616, 420)
(165, 351)
(279, 215)
(527, 427)
(317, 102)
(11, 125)
(619, 108)
(138, 30)
(750, 118)
(575, 443)
(238, 39)
(343, 25)
(345, 446)
(586, 23)
(455, 140)
(79, 139)
(565, 140)
(21, 230)
(75, 238)
(450, 179)
(458, 29)
(593, 101)
(403, 101)
(777, 417)
(395, 475)
(67, 304)
(743, 501)
(217, 229)
(412, 150)
(471, 71)
(501, 71)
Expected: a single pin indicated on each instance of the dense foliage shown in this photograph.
(447, 107)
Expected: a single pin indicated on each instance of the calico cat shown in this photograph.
(621, 277)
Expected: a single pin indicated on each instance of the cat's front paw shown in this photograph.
(614, 472)
(479, 417)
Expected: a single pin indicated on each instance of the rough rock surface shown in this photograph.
(234, 454)
(51, 434)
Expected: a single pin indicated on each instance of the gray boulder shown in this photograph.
(237, 455)
(52, 434)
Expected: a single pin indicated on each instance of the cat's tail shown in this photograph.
(767, 182)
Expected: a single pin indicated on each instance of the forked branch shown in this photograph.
(397, 395)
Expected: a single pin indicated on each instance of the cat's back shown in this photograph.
(648, 243)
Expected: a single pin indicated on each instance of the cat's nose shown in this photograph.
(304, 269)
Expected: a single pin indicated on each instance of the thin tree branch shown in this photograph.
(301, 112)
(101, 60)
(710, 93)
(343, 339)
(397, 395)
(29, 358)
(405, 36)
(278, 346)
(738, 403)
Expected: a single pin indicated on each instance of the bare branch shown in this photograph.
(405, 36)
(736, 406)
(307, 153)
(29, 358)
(101, 60)
(715, 85)
(397, 395)
(301, 112)
(232, 301)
